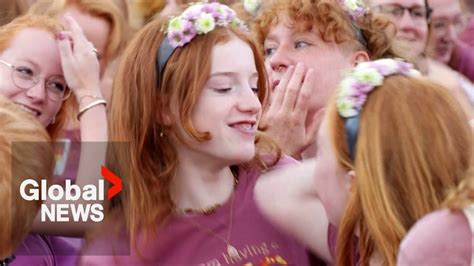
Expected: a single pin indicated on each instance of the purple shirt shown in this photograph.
(191, 240)
(440, 238)
(42, 250)
(463, 57)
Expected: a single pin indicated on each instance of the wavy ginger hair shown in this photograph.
(414, 144)
(25, 153)
(50, 25)
(141, 110)
(333, 23)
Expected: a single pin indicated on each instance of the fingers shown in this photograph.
(65, 49)
(75, 28)
(279, 92)
(293, 88)
(304, 95)
(80, 42)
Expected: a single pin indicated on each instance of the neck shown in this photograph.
(198, 185)
(422, 64)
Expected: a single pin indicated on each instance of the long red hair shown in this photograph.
(414, 144)
(139, 107)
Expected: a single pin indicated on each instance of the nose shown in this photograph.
(452, 32)
(280, 60)
(248, 102)
(37, 93)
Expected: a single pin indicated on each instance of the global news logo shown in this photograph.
(68, 196)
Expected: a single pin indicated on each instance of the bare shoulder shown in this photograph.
(440, 238)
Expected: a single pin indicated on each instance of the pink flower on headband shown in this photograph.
(353, 90)
(198, 19)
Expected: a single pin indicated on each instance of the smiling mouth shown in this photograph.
(246, 128)
(29, 110)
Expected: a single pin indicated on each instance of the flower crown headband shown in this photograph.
(355, 9)
(197, 19)
(354, 89)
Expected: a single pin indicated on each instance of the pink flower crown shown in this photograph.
(366, 76)
(200, 18)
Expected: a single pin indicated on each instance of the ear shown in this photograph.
(350, 179)
(359, 56)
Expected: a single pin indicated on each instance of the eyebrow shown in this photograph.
(271, 37)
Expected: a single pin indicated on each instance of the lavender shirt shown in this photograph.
(42, 250)
(184, 241)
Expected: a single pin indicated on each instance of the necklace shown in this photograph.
(205, 211)
(231, 250)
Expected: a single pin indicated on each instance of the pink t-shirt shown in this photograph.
(184, 242)
(440, 238)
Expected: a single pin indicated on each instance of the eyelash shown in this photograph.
(222, 90)
(302, 42)
(269, 51)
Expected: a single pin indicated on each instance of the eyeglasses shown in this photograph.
(419, 14)
(24, 78)
(441, 25)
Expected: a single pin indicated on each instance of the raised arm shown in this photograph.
(287, 198)
(81, 71)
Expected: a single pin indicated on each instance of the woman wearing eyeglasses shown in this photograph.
(43, 69)
(412, 18)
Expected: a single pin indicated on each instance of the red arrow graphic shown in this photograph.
(112, 178)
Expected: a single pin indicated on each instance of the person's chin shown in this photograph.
(444, 58)
(245, 155)
(410, 50)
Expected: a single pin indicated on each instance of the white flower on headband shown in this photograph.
(176, 24)
(205, 23)
(351, 4)
(369, 76)
(198, 19)
(252, 6)
(354, 89)
(355, 8)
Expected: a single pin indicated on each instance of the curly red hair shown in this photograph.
(332, 21)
